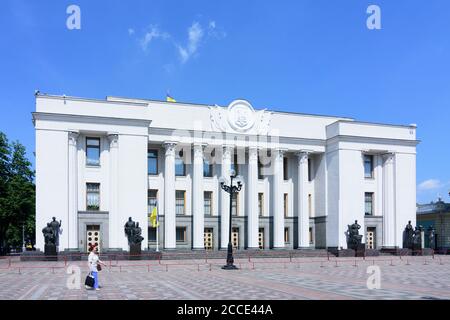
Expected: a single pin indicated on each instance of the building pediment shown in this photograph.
(240, 117)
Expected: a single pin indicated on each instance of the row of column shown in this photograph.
(72, 216)
(252, 198)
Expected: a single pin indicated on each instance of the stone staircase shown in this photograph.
(242, 254)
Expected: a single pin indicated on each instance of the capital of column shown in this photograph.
(389, 157)
(252, 154)
(170, 148)
(303, 156)
(73, 138)
(198, 149)
(113, 140)
(279, 153)
(227, 150)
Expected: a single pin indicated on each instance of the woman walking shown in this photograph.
(94, 265)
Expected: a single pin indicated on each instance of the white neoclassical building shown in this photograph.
(306, 177)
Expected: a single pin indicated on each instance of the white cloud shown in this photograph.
(195, 35)
(430, 184)
(130, 31)
(149, 36)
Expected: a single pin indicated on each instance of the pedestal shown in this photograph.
(360, 250)
(72, 254)
(50, 252)
(135, 251)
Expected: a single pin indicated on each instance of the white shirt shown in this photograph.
(92, 261)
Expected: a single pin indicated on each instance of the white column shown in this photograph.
(72, 221)
(389, 201)
(225, 199)
(114, 217)
(303, 214)
(197, 199)
(169, 197)
(252, 198)
(278, 214)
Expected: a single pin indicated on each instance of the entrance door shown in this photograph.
(93, 237)
(370, 238)
(209, 239)
(261, 238)
(235, 238)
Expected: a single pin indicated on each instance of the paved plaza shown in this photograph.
(257, 278)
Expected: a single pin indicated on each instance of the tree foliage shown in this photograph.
(17, 194)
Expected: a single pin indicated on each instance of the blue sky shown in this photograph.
(311, 56)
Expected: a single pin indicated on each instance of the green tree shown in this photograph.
(5, 154)
(17, 197)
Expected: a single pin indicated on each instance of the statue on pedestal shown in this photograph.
(408, 236)
(431, 238)
(129, 227)
(56, 228)
(133, 232)
(354, 238)
(49, 235)
(417, 238)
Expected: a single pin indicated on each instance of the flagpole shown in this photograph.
(157, 231)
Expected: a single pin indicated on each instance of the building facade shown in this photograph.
(436, 215)
(306, 177)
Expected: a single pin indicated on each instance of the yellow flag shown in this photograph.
(154, 217)
(170, 99)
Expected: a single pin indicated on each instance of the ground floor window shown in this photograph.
(180, 202)
(208, 203)
(181, 234)
(152, 234)
(369, 203)
(311, 236)
(93, 196)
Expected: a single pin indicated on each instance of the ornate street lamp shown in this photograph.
(234, 187)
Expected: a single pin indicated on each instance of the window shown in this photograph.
(93, 196)
(286, 235)
(311, 236)
(180, 202)
(285, 168)
(234, 204)
(261, 204)
(93, 151)
(152, 162)
(180, 166)
(151, 234)
(310, 170)
(369, 203)
(208, 203)
(368, 166)
(207, 169)
(152, 200)
(286, 205)
(181, 234)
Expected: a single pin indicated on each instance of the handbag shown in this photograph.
(99, 267)
(89, 280)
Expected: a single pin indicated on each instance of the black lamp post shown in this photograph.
(232, 189)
